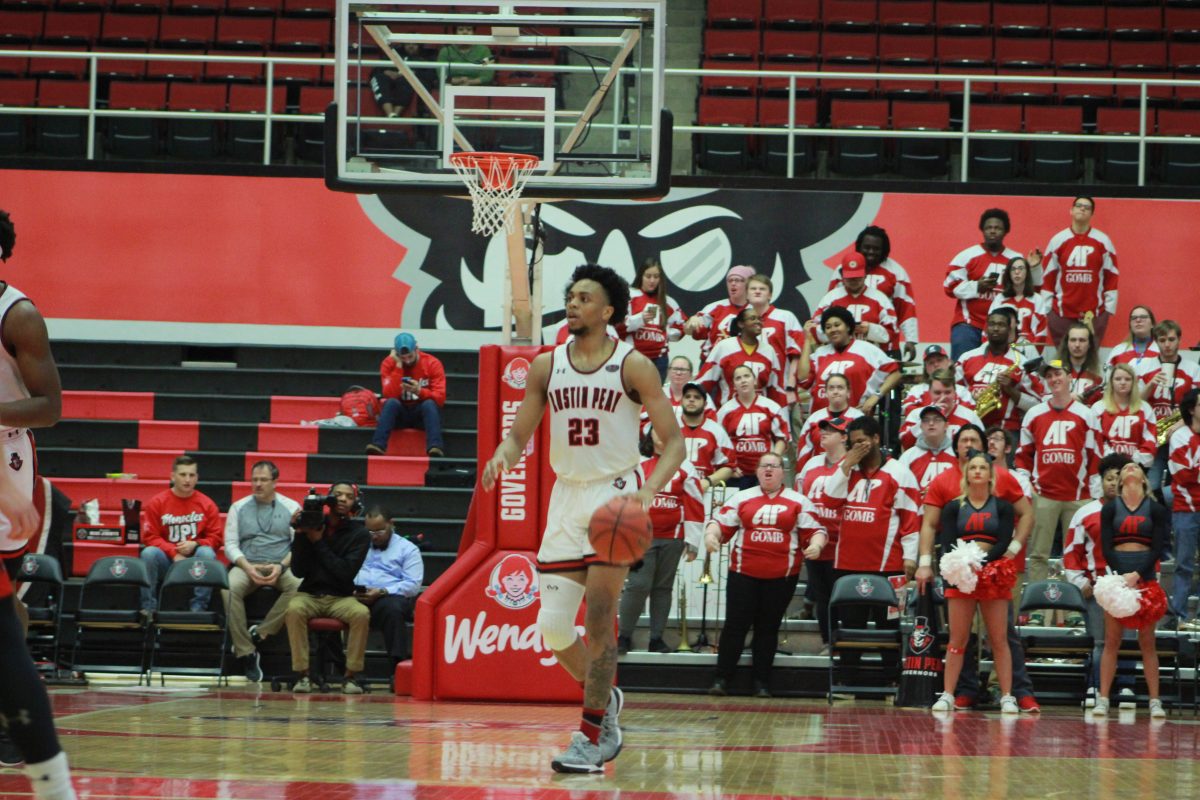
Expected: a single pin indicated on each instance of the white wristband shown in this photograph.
(925, 561)
(1014, 547)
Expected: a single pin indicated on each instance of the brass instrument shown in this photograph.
(1166, 423)
(706, 575)
(683, 647)
(989, 400)
(1088, 321)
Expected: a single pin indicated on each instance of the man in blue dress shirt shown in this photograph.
(389, 582)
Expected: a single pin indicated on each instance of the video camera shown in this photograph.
(312, 511)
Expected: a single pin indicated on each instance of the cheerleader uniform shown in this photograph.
(990, 525)
(1146, 525)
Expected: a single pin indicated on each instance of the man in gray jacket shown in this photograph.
(258, 544)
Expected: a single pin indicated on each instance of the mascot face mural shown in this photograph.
(458, 278)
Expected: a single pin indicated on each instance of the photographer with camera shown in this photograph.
(327, 551)
(389, 582)
(258, 544)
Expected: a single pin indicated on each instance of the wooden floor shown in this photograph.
(191, 742)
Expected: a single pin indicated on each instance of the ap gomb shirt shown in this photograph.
(810, 482)
(880, 521)
(677, 512)
(808, 440)
(926, 465)
(1184, 461)
(891, 280)
(717, 317)
(1165, 399)
(753, 429)
(707, 445)
(960, 415)
(1031, 316)
(865, 366)
(650, 338)
(1059, 450)
(729, 354)
(766, 530)
(1083, 558)
(920, 396)
(977, 369)
(1133, 433)
(872, 307)
(1140, 357)
(1081, 273)
(783, 331)
(169, 520)
(962, 282)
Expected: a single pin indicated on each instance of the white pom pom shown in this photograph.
(961, 565)
(1117, 597)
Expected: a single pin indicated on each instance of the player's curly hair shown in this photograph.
(8, 235)
(615, 287)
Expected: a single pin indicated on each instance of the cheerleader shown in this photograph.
(1133, 532)
(983, 522)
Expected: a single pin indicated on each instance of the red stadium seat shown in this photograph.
(194, 138)
(1189, 94)
(1117, 162)
(1023, 52)
(906, 16)
(958, 51)
(994, 159)
(270, 8)
(853, 48)
(921, 157)
(1182, 23)
(18, 92)
(142, 95)
(310, 35)
(1131, 94)
(779, 87)
(20, 27)
(1088, 94)
(1025, 91)
(140, 6)
(1121, 120)
(729, 84)
(964, 18)
(197, 97)
(315, 99)
(297, 73)
(75, 28)
(850, 88)
(1080, 54)
(858, 156)
(245, 99)
(1148, 56)
(931, 116)
(62, 94)
(1054, 161)
(127, 69)
(129, 29)
(233, 71)
(1009, 19)
(57, 67)
(997, 117)
(14, 66)
(791, 13)
(1178, 163)
(731, 44)
(905, 50)
(135, 137)
(1185, 56)
(1075, 21)
(718, 110)
(858, 114)
(197, 6)
(980, 89)
(1178, 123)
(787, 45)
(175, 30)
(1054, 119)
(243, 33)
(176, 70)
(850, 14)
(734, 13)
(773, 111)
(1134, 22)
(309, 8)
(906, 88)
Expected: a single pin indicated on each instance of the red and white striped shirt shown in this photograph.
(1184, 461)
(926, 463)
(959, 415)
(677, 512)
(1031, 316)
(1083, 557)
(872, 307)
(1162, 398)
(810, 482)
(865, 366)
(1060, 451)
(1134, 434)
(766, 531)
(707, 445)
(979, 368)
(962, 282)
(715, 319)
(783, 330)
(893, 282)
(731, 353)
(919, 396)
(753, 429)
(650, 338)
(880, 520)
(1128, 353)
(808, 440)
(1081, 273)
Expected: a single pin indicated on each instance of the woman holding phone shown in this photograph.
(654, 318)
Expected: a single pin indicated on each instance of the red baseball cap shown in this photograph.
(854, 267)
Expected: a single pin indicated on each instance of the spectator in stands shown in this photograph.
(1184, 450)
(415, 384)
(258, 544)
(746, 346)
(766, 525)
(781, 329)
(1164, 382)
(930, 453)
(871, 373)
(889, 278)
(654, 318)
(837, 396)
(327, 556)
(1001, 445)
(680, 374)
(918, 395)
(1127, 423)
(972, 278)
(1059, 453)
(1081, 273)
(389, 581)
(1078, 352)
(677, 515)
(179, 523)
(943, 395)
(996, 364)
(874, 314)
(1139, 347)
(711, 323)
(1017, 291)
(466, 63)
(709, 448)
(392, 90)
(810, 482)
(755, 424)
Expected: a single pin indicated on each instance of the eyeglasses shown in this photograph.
(680, 369)
(1139, 317)
(1084, 206)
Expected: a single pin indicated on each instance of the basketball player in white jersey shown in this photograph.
(30, 396)
(595, 388)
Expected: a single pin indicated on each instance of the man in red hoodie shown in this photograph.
(415, 384)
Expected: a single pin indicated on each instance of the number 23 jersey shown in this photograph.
(593, 421)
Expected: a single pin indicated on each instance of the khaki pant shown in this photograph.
(1047, 514)
(304, 607)
(241, 587)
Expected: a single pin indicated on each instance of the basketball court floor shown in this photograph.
(190, 742)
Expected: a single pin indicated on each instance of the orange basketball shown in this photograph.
(620, 531)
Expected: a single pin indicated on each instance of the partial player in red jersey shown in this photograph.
(1078, 352)
(871, 372)
(1081, 272)
(1060, 453)
(1018, 292)
(810, 482)
(1139, 347)
(885, 275)
(837, 395)
(30, 397)
(1184, 455)
(973, 277)
(711, 323)
(943, 395)
(765, 526)
(654, 318)
(677, 514)
(1127, 423)
(781, 329)
(709, 448)
(747, 346)
(930, 454)
(997, 365)
(755, 424)
(874, 314)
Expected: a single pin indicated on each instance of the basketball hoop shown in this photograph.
(495, 181)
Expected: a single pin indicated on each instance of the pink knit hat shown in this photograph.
(743, 270)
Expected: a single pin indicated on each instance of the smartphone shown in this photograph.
(360, 589)
(652, 308)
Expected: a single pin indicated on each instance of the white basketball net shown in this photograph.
(495, 181)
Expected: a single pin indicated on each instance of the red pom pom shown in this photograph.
(1153, 605)
(996, 580)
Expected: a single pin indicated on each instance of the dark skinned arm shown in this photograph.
(26, 338)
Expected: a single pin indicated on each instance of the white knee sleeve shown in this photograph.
(560, 603)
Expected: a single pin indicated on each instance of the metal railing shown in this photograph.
(270, 116)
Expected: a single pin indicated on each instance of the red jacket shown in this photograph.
(428, 372)
(169, 519)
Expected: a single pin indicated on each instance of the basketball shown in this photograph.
(620, 531)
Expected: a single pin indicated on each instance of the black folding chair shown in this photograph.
(45, 613)
(1057, 643)
(180, 634)
(870, 592)
(109, 620)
